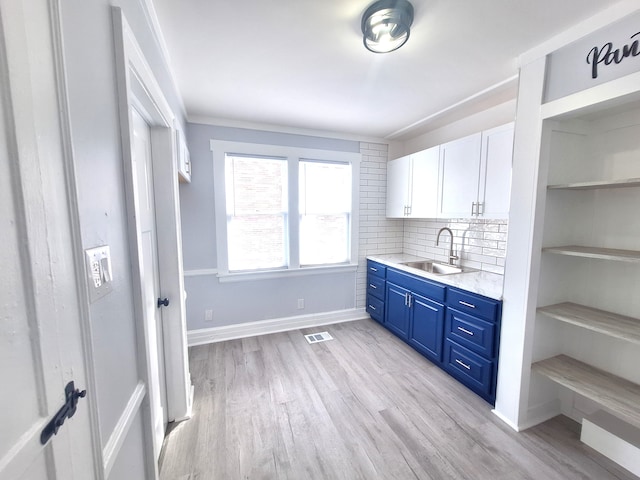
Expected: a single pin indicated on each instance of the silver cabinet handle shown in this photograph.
(373, 269)
(473, 209)
(463, 364)
(470, 305)
(480, 206)
(410, 300)
(373, 286)
(468, 332)
(372, 307)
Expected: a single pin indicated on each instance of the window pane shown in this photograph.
(325, 212)
(255, 185)
(325, 187)
(324, 239)
(256, 242)
(256, 198)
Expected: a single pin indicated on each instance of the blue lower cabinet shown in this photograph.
(398, 312)
(426, 327)
(376, 283)
(471, 332)
(457, 330)
(375, 308)
(471, 369)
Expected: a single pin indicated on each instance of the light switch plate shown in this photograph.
(99, 274)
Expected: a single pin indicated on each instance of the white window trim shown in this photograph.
(220, 148)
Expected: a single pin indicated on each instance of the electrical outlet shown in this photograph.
(300, 303)
(208, 315)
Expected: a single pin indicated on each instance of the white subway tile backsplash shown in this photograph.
(478, 243)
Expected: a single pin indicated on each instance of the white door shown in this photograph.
(495, 172)
(41, 347)
(143, 173)
(459, 174)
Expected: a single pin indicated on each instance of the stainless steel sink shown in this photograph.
(435, 268)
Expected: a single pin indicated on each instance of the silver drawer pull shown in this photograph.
(373, 269)
(470, 305)
(463, 364)
(468, 332)
(373, 286)
(372, 307)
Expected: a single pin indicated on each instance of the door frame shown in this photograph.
(138, 87)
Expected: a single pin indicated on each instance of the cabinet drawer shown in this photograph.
(375, 286)
(376, 269)
(471, 332)
(473, 304)
(421, 286)
(471, 369)
(375, 308)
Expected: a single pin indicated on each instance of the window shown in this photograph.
(256, 201)
(325, 212)
(281, 209)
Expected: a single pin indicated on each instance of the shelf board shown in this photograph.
(621, 397)
(623, 183)
(607, 323)
(632, 256)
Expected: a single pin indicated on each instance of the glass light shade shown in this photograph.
(385, 25)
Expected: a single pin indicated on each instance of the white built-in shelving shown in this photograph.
(621, 397)
(591, 168)
(622, 183)
(613, 254)
(601, 321)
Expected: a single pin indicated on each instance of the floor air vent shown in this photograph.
(318, 337)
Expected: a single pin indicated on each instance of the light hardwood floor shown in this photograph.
(361, 406)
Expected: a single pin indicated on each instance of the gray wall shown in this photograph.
(87, 30)
(255, 300)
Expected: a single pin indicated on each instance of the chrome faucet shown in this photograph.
(452, 256)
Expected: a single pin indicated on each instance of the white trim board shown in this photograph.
(117, 437)
(204, 336)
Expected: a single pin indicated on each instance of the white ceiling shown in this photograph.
(301, 63)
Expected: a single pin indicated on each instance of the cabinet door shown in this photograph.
(424, 183)
(459, 174)
(427, 327)
(398, 174)
(397, 315)
(495, 172)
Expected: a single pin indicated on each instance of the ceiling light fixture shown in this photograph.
(385, 25)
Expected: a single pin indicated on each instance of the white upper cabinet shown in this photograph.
(424, 183)
(495, 172)
(459, 174)
(475, 175)
(412, 185)
(398, 180)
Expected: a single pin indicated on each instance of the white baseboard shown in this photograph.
(535, 415)
(506, 420)
(251, 329)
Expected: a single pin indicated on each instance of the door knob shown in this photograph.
(163, 302)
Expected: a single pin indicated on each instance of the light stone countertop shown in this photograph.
(483, 283)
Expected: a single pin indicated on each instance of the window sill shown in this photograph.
(226, 277)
